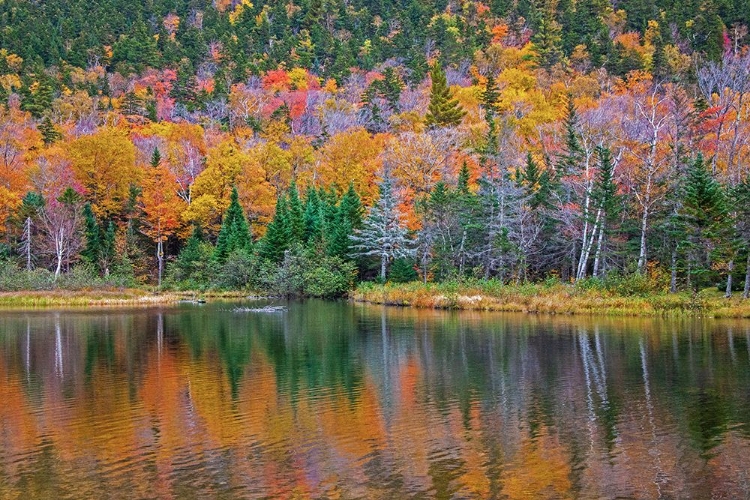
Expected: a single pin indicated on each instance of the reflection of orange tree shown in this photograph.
(540, 469)
(15, 414)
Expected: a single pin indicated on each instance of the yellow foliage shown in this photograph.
(104, 164)
(211, 189)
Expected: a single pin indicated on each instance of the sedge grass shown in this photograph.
(558, 298)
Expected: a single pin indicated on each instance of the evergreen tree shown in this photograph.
(383, 233)
(313, 218)
(37, 98)
(462, 186)
(234, 234)
(705, 217)
(276, 240)
(391, 87)
(192, 259)
(490, 96)
(93, 247)
(295, 216)
(48, 131)
(740, 201)
(443, 110)
(348, 218)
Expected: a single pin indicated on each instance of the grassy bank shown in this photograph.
(129, 297)
(554, 298)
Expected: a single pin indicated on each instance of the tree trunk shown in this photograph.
(746, 292)
(642, 254)
(383, 264)
(160, 258)
(728, 292)
(28, 244)
(598, 255)
(673, 273)
(586, 251)
(461, 254)
(59, 251)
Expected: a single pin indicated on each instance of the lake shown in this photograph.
(335, 400)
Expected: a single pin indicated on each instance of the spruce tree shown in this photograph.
(48, 131)
(348, 218)
(383, 233)
(490, 96)
(93, 247)
(705, 217)
(443, 110)
(276, 240)
(313, 218)
(462, 186)
(234, 234)
(295, 216)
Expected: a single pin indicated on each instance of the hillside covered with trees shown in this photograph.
(296, 147)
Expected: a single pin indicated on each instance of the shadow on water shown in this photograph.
(333, 399)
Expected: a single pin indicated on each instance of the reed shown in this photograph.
(558, 298)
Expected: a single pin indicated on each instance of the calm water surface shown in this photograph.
(332, 400)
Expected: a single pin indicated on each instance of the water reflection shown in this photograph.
(334, 400)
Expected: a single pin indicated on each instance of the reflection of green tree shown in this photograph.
(234, 350)
(707, 415)
(311, 346)
(317, 351)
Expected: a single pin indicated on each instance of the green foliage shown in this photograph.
(81, 277)
(194, 268)
(403, 271)
(234, 234)
(443, 110)
(306, 273)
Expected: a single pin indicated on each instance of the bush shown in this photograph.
(306, 274)
(402, 271)
(83, 275)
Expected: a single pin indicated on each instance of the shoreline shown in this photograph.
(128, 297)
(556, 300)
(560, 299)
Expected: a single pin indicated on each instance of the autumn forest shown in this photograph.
(301, 147)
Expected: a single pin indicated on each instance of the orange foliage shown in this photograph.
(351, 157)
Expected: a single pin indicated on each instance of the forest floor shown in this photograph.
(551, 299)
(126, 297)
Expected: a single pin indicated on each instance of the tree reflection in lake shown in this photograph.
(333, 399)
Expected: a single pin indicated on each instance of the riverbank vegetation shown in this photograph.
(589, 297)
(301, 149)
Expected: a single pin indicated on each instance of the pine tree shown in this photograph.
(462, 186)
(705, 217)
(191, 259)
(39, 100)
(490, 96)
(313, 218)
(383, 233)
(570, 162)
(348, 218)
(93, 248)
(443, 110)
(295, 216)
(276, 240)
(391, 87)
(234, 234)
(48, 131)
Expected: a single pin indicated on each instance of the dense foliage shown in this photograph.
(297, 147)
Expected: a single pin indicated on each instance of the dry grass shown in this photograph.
(129, 297)
(551, 299)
